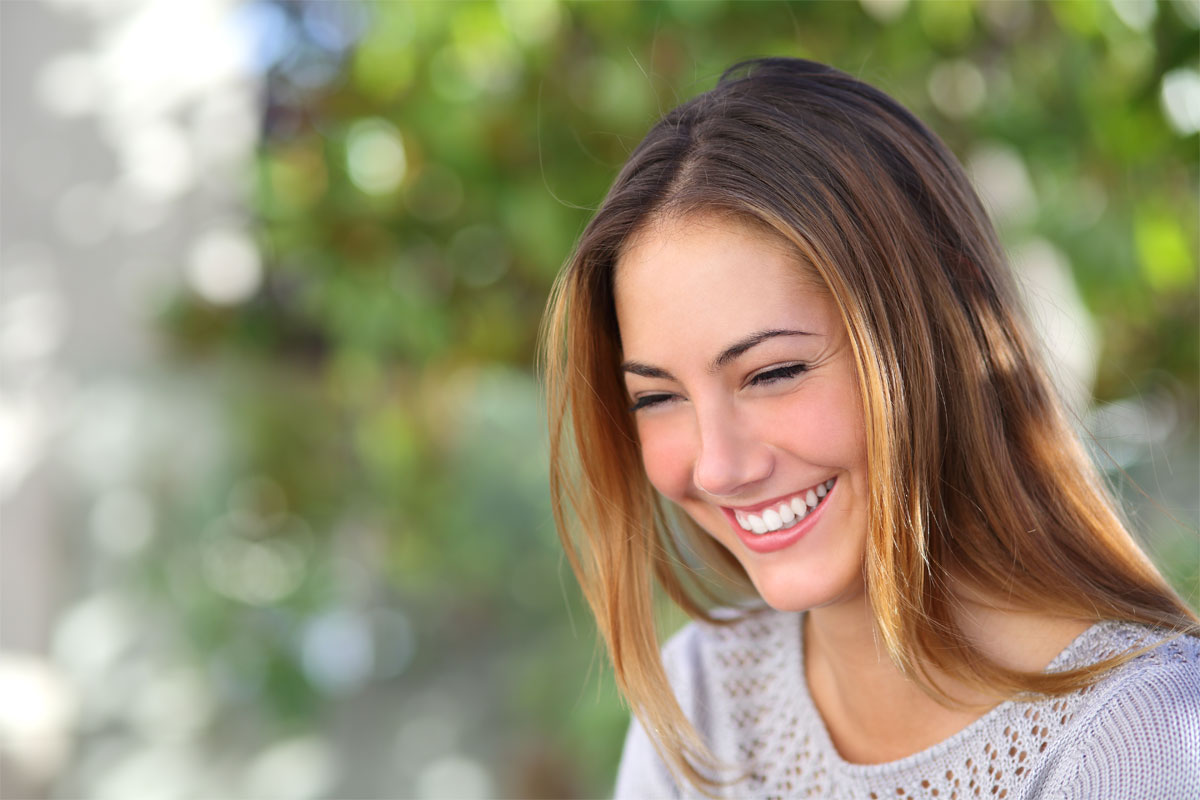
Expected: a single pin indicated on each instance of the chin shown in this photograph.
(796, 589)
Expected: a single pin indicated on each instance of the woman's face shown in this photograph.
(746, 402)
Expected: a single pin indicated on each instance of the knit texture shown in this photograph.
(1133, 734)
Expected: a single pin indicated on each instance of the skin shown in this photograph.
(744, 389)
(748, 431)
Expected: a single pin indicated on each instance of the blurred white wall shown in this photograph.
(125, 128)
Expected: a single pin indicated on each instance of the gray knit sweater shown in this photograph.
(1134, 734)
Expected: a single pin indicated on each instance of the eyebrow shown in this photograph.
(728, 354)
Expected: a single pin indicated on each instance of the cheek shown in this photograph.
(666, 457)
(829, 429)
(839, 440)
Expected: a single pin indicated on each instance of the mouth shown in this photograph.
(782, 513)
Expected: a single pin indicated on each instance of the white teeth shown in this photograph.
(799, 507)
(782, 516)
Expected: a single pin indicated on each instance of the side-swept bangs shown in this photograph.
(977, 480)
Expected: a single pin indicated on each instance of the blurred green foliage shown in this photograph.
(418, 188)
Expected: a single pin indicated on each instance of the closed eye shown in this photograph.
(649, 400)
(776, 374)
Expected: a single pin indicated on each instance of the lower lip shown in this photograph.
(784, 537)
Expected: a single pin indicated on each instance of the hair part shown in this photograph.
(976, 475)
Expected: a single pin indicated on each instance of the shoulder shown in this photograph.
(718, 673)
(732, 632)
(708, 663)
(1137, 733)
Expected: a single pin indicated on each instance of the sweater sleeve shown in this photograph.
(1143, 741)
(643, 775)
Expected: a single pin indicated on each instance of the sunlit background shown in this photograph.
(271, 451)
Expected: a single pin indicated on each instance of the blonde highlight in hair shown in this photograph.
(977, 481)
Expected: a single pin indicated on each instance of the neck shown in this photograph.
(845, 635)
(874, 713)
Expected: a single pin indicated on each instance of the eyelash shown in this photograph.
(779, 374)
(648, 400)
(766, 378)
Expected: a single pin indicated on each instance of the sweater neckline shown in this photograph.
(793, 648)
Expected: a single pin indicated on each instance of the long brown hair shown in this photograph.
(975, 474)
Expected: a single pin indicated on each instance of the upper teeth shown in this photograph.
(787, 512)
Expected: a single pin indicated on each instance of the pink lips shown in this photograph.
(785, 537)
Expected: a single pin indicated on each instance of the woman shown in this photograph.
(791, 321)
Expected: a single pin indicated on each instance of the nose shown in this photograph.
(731, 458)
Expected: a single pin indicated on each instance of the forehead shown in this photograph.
(667, 233)
(689, 242)
(709, 278)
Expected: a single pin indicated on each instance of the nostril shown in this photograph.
(713, 478)
(730, 473)
(729, 457)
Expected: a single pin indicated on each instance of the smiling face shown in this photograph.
(747, 408)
